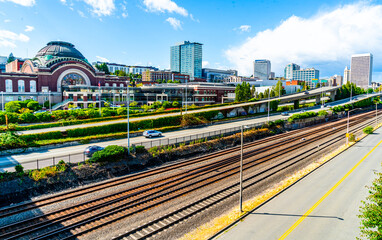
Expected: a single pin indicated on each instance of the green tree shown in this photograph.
(103, 67)
(11, 58)
(279, 88)
(175, 104)
(13, 106)
(274, 105)
(33, 105)
(243, 92)
(296, 104)
(317, 85)
(371, 211)
(253, 91)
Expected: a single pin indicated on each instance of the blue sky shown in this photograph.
(320, 34)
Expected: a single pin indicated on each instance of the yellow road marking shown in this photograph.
(326, 194)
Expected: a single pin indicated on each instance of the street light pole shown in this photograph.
(99, 99)
(2, 101)
(376, 114)
(186, 96)
(128, 118)
(269, 94)
(241, 172)
(50, 103)
(347, 128)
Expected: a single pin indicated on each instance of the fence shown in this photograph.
(81, 157)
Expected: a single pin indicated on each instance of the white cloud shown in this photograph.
(8, 38)
(205, 64)
(101, 7)
(175, 23)
(7, 20)
(102, 59)
(245, 28)
(163, 6)
(25, 3)
(124, 9)
(327, 39)
(63, 1)
(81, 13)
(29, 28)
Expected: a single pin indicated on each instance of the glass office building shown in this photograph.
(262, 69)
(186, 58)
(307, 75)
(361, 69)
(288, 71)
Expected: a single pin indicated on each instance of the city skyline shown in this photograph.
(97, 28)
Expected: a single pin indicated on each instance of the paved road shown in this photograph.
(335, 218)
(315, 91)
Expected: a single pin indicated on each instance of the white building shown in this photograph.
(288, 70)
(361, 69)
(262, 69)
(346, 75)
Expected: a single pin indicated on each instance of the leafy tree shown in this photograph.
(253, 91)
(121, 73)
(33, 105)
(11, 58)
(175, 104)
(133, 104)
(370, 90)
(261, 95)
(370, 211)
(46, 104)
(317, 85)
(279, 90)
(107, 104)
(274, 105)
(242, 92)
(166, 104)
(296, 104)
(13, 106)
(103, 67)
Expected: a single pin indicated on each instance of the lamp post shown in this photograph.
(2, 101)
(347, 128)
(50, 103)
(241, 172)
(186, 95)
(99, 99)
(128, 117)
(269, 94)
(376, 114)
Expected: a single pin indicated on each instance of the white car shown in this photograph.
(152, 133)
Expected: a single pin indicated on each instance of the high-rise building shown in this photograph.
(307, 75)
(186, 58)
(288, 71)
(262, 69)
(346, 75)
(361, 69)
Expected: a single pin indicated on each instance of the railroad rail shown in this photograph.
(134, 200)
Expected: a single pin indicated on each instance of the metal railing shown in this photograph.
(81, 157)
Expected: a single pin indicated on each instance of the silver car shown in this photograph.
(152, 133)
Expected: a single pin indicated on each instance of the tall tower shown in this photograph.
(262, 69)
(186, 58)
(288, 71)
(361, 69)
(346, 75)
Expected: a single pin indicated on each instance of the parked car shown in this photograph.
(284, 114)
(306, 92)
(355, 98)
(89, 151)
(152, 133)
(302, 111)
(40, 111)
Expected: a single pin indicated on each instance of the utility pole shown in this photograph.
(128, 118)
(241, 172)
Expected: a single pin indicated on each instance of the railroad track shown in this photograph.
(131, 207)
(161, 224)
(18, 208)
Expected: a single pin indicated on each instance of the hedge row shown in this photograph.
(42, 136)
(302, 116)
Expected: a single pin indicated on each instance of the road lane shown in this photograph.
(335, 217)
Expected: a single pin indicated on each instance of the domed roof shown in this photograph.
(59, 49)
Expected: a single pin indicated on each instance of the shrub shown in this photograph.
(19, 169)
(27, 117)
(109, 154)
(280, 122)
(13, 106)
(11, 140)
(322, 113)
(43, 117)
(140, 149)
(42, 136)
(33, 105)
(368, 130)
(351, 137)
(191, 120)
(175, 104)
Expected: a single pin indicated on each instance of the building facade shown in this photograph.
(153, 76)
(346, 75)
(361, 69)
(261, 69)
(127, 69)
(186, 58)
(288, 70)
(307, 75)
(217, 75)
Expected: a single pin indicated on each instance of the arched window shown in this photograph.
(73, 79)
(114, 84)
(21, 85)
(8, 85)
(32, 86)
(121, 85)
(106, 84)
